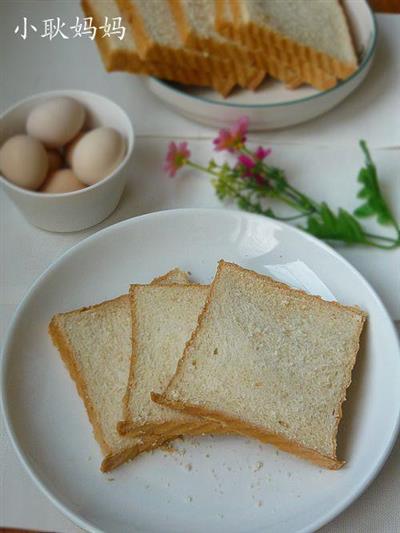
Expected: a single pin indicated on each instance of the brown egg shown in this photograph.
(24, 161)
(69, 148)
(60, 181)
(97, 154)
(57, 121)
(55, 161)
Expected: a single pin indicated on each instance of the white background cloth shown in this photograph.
(321, 156)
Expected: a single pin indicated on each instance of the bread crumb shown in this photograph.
(189, 499)
(188, 467)
(111, 478)
(258, 466)
(167, 448)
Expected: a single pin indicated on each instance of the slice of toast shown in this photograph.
(270, 362)
(312, 38)
(95, 345)
(163, 319)
(195, 22)
(122, 55)
(157, 39)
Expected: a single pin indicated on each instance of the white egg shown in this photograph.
(24, 161)
(97, 154)
(55, 160)
(56, 122)
(69, 148)
(60, 181)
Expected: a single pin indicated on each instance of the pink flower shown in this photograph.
(261, 153)
(234, 138)
(246, 161)
(177, 157)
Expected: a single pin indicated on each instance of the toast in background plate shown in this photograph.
(123, 55)
(158, 39)
(312, 38)
(269, 362)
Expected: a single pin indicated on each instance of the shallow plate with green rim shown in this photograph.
(274, 106)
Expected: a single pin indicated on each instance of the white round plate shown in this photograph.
(272, 106)
(221, 484)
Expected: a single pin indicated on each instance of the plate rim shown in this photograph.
(5, 356)
(365, 62)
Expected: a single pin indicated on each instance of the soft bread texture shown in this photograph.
(313, 38)
(195, 21)
(95, 345)
(163, 319)
(157, 38)
(122, 55)
(269, 362)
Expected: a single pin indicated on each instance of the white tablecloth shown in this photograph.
(36, 65)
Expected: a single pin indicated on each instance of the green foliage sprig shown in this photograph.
(250, 182)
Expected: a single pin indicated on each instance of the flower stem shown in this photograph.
(203, 169)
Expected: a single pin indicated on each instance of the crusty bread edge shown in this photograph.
(127, 425)
(236, 425)
(110, 460)
(165, 277)
(168, 428)
(247, 74)
(67, 355)
(312, 63)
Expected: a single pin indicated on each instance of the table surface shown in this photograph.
(21, 503)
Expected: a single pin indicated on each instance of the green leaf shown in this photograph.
(335, 227)
(375, 204)
(365, 210)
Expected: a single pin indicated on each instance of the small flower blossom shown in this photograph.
(261, 153)
(177, 157)
(246, 161)
(234, 138)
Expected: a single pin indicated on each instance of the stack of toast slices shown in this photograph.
(246, 355)
(227, 43)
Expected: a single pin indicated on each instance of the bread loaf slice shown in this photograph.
(157, 39)
(270, 362)
(195, 21)
(95, 345)
(163, 319)
(122, 55)
(312, 38)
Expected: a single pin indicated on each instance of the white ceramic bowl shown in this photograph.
(76, 210)
(273, 106)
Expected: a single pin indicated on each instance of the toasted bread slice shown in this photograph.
(312, 38)
(157, 39)
(122, 55)
(195, 21)
(163, 319)
(95, 345)
(270, 362)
